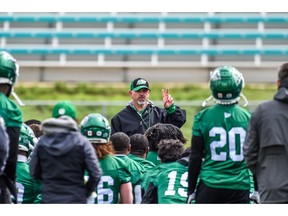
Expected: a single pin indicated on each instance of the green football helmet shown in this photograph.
(96, 128)
(26, 142)
(226, 84)
(9, 69)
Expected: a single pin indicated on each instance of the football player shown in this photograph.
(139, 150)
(218, 135)
(28, 189)
(170, 184)
(9, 71)
(121, 145)
(116, 179)
(161, 131)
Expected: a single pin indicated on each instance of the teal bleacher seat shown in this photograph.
(128, 34)
(205, 37)
(143, 19)
(147, 51)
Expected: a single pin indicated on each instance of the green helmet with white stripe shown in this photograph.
(26, 139)
(226, 84)
(9, 69)
(96, 128)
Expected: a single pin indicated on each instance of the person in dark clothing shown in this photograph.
(266, 144)
(4, 148)
(140, 113)
(9, 71)
(60, 160)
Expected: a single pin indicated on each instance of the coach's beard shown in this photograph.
(142, 102)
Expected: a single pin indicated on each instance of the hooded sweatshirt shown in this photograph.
(266, 147)
(59, 161)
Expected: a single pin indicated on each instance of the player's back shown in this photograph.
(137, 173)
(27, 188)
(145, 164)
(172, 183)
(223, 129)
(10, 112)
(114, 173)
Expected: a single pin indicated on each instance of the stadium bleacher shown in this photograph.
(117, 46)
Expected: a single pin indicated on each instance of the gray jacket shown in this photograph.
(266, 148)
(60, 160)
(4, 145)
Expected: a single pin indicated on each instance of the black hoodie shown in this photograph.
(59, 161)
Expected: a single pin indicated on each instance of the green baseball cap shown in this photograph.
(138, 84)
(64, 108)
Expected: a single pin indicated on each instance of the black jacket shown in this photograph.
(59, 161)
(130, 122)
(4, 146)
(266, 148)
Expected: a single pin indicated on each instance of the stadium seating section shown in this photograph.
(127, 40)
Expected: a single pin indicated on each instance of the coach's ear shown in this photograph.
(146, 152)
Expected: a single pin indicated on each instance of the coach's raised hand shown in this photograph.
(167, 99)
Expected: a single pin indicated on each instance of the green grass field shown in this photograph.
(104, 93)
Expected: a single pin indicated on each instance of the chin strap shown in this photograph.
(206, 101)
(17, 98)
(245, 99)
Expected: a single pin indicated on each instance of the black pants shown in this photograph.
(7, 184)
(5, 196)
(205, 194)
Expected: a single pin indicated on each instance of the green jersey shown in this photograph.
(171, 183)
(28, 189)
(150, 175)
(223, 129)
(153, 157)
(143, 162)
(114, 174)
(10, 112)
(136, 171)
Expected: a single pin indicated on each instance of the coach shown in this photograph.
(140, 113)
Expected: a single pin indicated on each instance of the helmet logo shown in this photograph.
(61, 111)
(227, 115)
(89, 133)
(98, 133)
